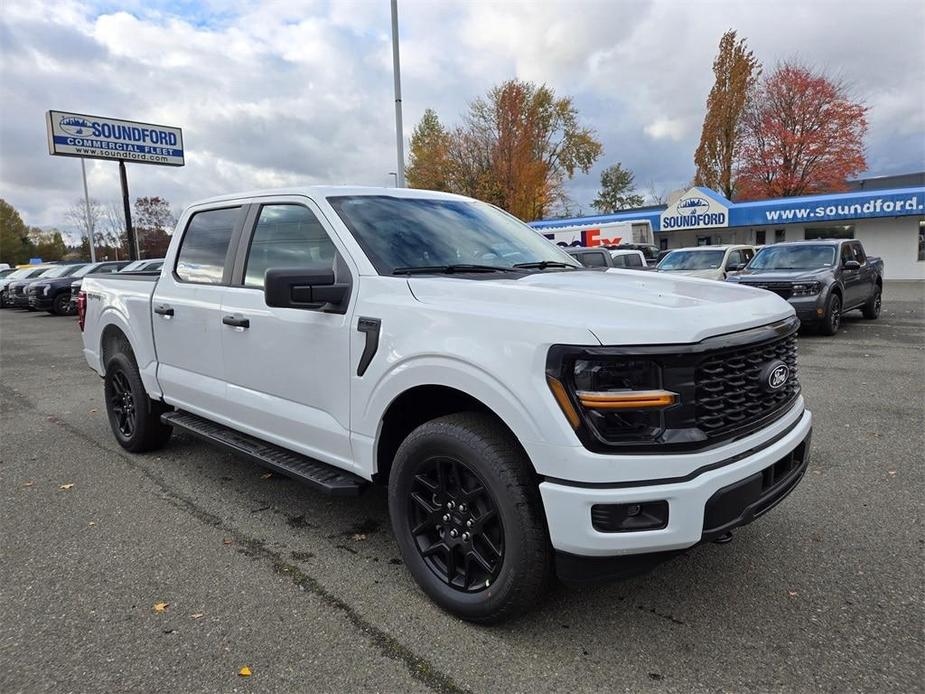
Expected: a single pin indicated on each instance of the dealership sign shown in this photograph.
(95, 137)
(698, 208)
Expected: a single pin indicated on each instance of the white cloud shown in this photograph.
(666, 128)
(284, 92)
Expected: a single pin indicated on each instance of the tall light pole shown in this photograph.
(396, 68)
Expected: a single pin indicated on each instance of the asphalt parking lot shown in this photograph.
(825, 593)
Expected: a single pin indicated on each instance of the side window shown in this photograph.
(594, 260)
(205, 245)
(286, 236)
(846, 253)
(747, 255)
(735, 257)
(619, 261)
(859, 253)
(633, 261)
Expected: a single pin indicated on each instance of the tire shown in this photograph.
(465, 474)
(61, 305)
(135, 418)
(832, 318)
(871, 309)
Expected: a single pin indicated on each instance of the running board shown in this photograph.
(321, 476)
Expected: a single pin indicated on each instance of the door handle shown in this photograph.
(163, 310)
(236, 321)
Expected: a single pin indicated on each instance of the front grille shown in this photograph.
(729, 389)
(782, 289)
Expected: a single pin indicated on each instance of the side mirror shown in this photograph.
(303, 288)
(852, 265)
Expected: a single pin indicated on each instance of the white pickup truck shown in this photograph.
(529, 417)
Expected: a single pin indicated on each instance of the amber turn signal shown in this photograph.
(558, 391)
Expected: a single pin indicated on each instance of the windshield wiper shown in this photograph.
(448, 269)
(543, 264)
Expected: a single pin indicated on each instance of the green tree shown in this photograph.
(429, 154)
(15, 245)
(737, 71)
(49, 245)
(153, 222)
(618, 191)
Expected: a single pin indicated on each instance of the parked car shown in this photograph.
(598, 257)
(18, 274)
(629, 259)
(52, 291)
(527, 415)
(104, 268)
(15, 296)
(649, 250)
(820, 279)
(708, 262)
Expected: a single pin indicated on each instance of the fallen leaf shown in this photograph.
(93, 411)
(792, 593)
(891, 473)
(92, 523)
(66, 486)
(161, 606)
(245, 671)
(358, 537)
(266, 476)
(28, 484)
(227, 541)
(198, 615)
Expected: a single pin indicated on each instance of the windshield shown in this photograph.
(400, 233)
(793, 258)
(692, 260)
(62, 271)
(21, 272)
(86, 269)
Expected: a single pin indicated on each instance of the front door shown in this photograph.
(187, 317)
(852, 279)
(288, 370)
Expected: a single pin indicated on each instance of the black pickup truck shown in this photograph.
(821, 279)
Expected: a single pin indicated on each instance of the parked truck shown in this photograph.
(821, 279)
(529, 417)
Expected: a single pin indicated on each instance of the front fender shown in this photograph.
(451, 372)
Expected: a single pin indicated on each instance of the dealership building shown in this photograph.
(887, 215)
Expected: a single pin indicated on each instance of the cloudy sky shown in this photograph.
(284, 92)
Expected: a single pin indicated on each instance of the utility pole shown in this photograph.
(127, 210)
(83, 171)
(396, 69)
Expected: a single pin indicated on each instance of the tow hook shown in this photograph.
(724, 538)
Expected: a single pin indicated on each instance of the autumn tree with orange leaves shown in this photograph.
(803, 134)
(516, 147)
(736, 72)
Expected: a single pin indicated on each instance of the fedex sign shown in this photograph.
(589, 236)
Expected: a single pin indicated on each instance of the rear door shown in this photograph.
(187, 311)
(288, 370)
(865, 283)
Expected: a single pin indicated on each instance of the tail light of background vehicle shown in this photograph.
(81, 310)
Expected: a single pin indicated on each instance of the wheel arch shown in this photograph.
(423, 403)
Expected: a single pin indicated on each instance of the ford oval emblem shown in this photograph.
(775, 376)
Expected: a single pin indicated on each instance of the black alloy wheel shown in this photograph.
(872, 308)
(62, 305)
(832, 319)
(122, 404)
(456, 525)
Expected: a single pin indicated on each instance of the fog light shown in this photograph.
(623, 518)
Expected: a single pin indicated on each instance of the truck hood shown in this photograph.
(781, 275)
(617, 306)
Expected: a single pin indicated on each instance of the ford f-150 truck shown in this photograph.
(820, 279)
(527, 415)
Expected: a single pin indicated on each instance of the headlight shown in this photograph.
(805, 288)
(614, 399)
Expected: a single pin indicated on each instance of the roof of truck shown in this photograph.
(331, 191)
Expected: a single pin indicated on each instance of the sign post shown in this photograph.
(83, 172)
(96, 137)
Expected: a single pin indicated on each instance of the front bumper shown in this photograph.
(39, 302)
(694, 514)
(809, 309)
